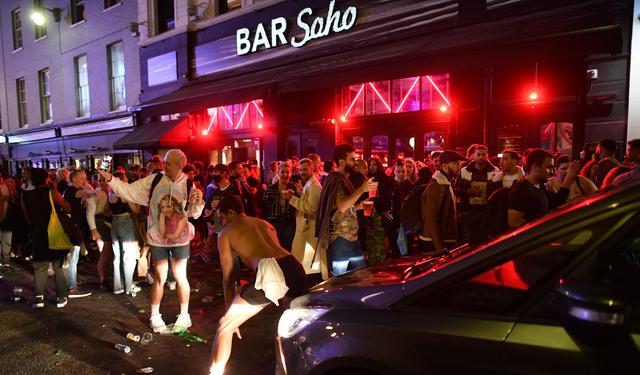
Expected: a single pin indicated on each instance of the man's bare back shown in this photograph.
(252, 239)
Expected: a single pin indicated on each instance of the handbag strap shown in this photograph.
(53, 208)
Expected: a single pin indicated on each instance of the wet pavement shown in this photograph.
(81, 337)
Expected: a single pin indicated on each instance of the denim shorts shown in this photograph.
(176, 252)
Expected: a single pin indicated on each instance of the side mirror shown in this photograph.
(592, 304)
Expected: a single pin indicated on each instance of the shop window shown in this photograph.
(358, 143)
(433, 141)
(377, 97)
(310, 146)
(242, 116)
(406, 94)
(435, 91)
(405, 147)
(380, 148)
(557, 137)
(429, 92)
(353, 100)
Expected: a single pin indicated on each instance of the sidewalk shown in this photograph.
(80, 338)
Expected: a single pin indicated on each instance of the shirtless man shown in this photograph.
(256, 243)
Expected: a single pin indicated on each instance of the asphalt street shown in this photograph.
(80, 338)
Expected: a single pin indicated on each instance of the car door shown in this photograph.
(545, 341)
(461, 323)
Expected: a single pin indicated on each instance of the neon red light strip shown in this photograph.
(226, 114)
(380, 96)
(258, 108)
(408, 93)
(244, 111)
(213, 117)
(354, 100)
(439, 92)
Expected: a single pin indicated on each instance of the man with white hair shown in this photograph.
(170, 201)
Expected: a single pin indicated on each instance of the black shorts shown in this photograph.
(294, 276)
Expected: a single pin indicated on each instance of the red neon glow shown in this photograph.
(408, 93)
(438, 90)
(227, 115)
(444, 108)
(258, 108)
(244, 112)
(533, 96)
(504, 275)
(380, 96)
(259, 126)
(353, 103)
(213, 117)
(205, 132)
(343, 118)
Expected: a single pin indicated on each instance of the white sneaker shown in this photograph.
(134, 290)
(119, 291)
(157, 324)
(182, 323)
(171, 285)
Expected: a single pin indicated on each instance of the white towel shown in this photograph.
(270, 278)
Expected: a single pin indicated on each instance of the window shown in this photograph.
(116, 76)
(82, 85)
(40, 31)
(240, 116)
(165, 15)
(503, 289)
(16, 22)
(225, 6)
(111, 3)
(22, 102)
(77, 11)
(396, 96)
(162, 69)
(433, 141)
(46, 109)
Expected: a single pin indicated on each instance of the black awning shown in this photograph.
(156, 134)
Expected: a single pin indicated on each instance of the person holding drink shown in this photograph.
(337, 225)
(221, 176)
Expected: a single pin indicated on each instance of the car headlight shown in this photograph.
(293, 321)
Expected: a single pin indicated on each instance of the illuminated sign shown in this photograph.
(336, 21)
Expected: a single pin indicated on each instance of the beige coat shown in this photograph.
(304, 242)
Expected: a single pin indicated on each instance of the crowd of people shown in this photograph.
(302, 219)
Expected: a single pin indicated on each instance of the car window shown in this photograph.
(503, 288)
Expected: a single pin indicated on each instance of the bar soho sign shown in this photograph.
(336, 21)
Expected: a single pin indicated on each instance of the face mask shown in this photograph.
(217, 178)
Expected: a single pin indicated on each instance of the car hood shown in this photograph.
(372, 287)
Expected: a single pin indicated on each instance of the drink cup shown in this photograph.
(373, 193)
(368, 207)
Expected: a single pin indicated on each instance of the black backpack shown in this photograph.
(411, 210)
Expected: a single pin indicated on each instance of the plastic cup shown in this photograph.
(373, 193)
(368, 207)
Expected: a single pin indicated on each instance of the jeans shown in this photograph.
(72, 271)
(40, 269)
(125, 252)
(344, 255)
(5, 239)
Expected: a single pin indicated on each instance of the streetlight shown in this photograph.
(38, 16)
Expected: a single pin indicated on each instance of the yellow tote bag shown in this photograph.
(58, 238)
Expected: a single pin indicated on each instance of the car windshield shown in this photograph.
(429, 263)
